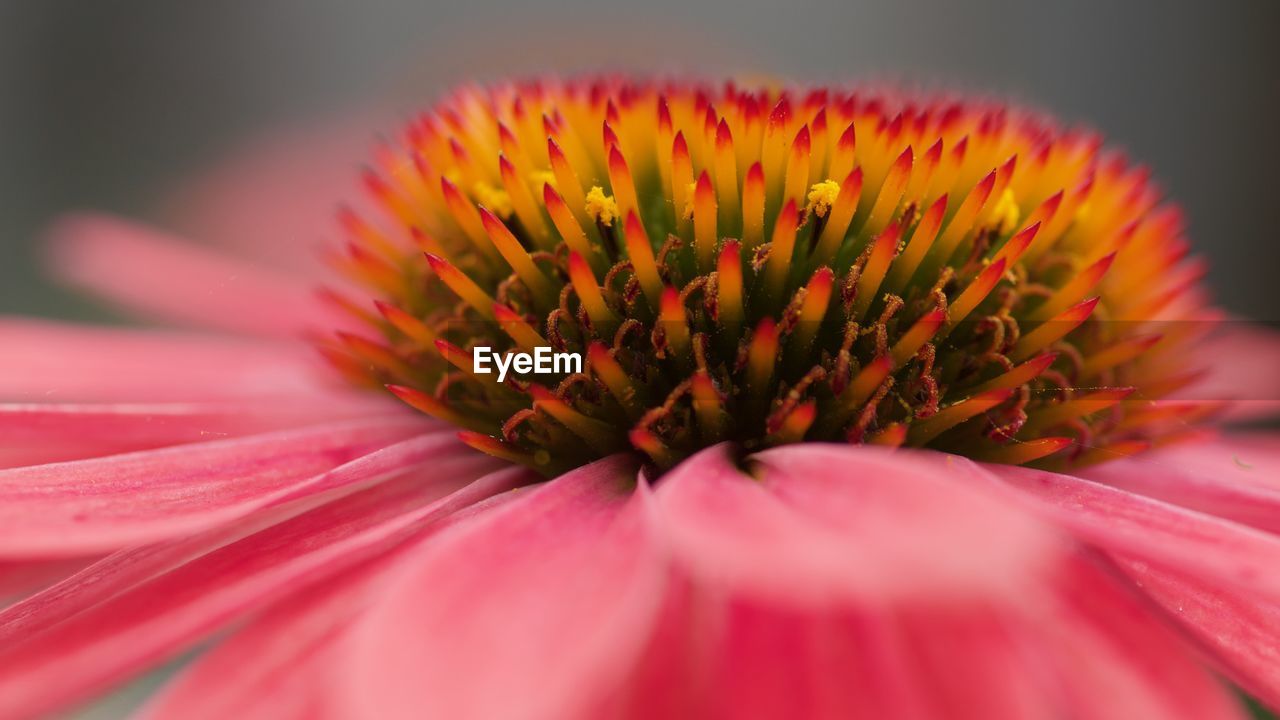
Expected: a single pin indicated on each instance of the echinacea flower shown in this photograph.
(878, 416)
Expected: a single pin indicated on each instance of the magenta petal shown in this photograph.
(31, 434)
(63, 362)
(116, 618)
(1211, 548)
(826, 524)
(1236, 477)
(168, 279)
(1243, 366)
(88, 506)
(1239, 632)
(531, 610)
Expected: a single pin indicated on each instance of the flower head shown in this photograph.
(769, 266)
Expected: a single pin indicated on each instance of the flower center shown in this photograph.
(766, 266)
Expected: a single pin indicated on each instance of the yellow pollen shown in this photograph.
(689, 193)
(821, 197)
(602, 208)
(495, 200)
(540, 178)
(1007, 213)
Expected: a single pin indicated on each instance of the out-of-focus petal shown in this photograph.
(167, 279)
(827, 523)
(1114, 520)
(87, 506)
(1235, 477)
(281, 664)
(274, 199)
(529, 611)
(1239, 632)
(76, 638)
(32, 433)
(45, 361)
(1243, 365)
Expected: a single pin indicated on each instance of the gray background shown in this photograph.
(107, 104)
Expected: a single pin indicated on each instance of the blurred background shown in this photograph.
(117, 105)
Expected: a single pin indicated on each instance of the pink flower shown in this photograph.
(334, 554)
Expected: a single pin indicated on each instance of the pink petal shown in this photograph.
(78, 638)
(274, 199)
(1117, 660)
(164, 278)
(1239, 632)
(1114, 520)
(90, 506)
(61, 362)
(281, 664)
(31, 434)
(826, 525)
(1243, 364)
(1236, 477)
(531, 610)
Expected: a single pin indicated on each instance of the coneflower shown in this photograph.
(771, 265)
(742, 274)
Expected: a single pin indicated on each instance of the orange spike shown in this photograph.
(1017, 245)
(522, 202)
(640, 251)
(464, 287)
(1021, 452)
(1077, 407)
(729, 289)
(494, 447)
(781, 248)
(892, 435)
(753, 208)
(1053, 330)
(518, 258)
(813, 308)
(707, 407)
(516, 327)
(566, 224)
(624, 189)
(762, 353)
(794, 425)
(439, 409)
(975, 293)
(601, 361)
(468, 218)
(588, 290)
(842, 158)
(838, 218)
(599, 435)
(726, 172)
(1121, 352)
(864, 384)
(704, 222)
(797, 178)
(922, 431)
(919, 334)
(1074, 290)
(1020, 375)
(962, 222)
(649, 444)
(410, 326)
(675, 325)
(681, 181)
(882, 251)
(568, 186)
(891, 192)
(921, 240)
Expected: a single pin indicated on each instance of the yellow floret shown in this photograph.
(822, 196)
(1006, 213)
(539, 178)
(602, 208)
(497, 201)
